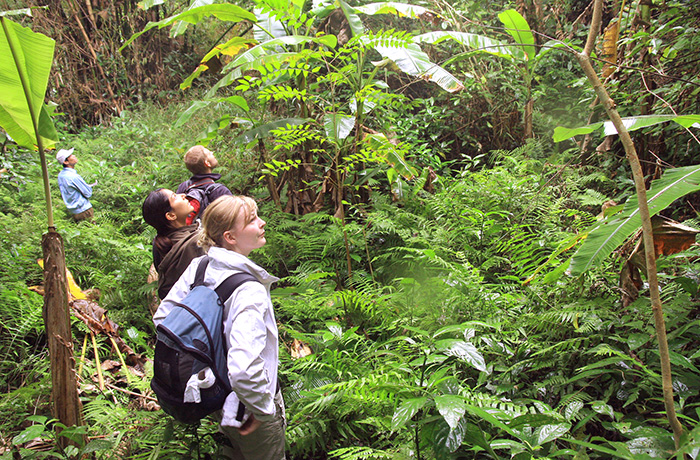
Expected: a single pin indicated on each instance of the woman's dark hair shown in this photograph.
(154, 208)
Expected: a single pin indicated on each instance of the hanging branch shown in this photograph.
(647, 231)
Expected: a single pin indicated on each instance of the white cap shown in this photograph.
(63, 155)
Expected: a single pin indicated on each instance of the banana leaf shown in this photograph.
(413, 61)
(380, 143)
(605, 236)
(631, 123)
(222, 11)
(181, 27)
(24, 76)
(398, 9)
(265, 54)
(519, 29)
(475, 42)
(268, 26)
(338, 126)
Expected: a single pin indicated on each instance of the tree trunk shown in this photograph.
(64, 392)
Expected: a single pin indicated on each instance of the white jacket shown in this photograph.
(249, 326)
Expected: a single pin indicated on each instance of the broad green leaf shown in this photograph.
(230, 48)
(605, 236)
(243, 65)
(547, 433)
(572, 409)
(451, 408)
(147, 4)
(29, 433)
(485, 414)
(631, 123)
(238, 101)
(338, 126)
(223, 11)
(519, 29)
(263, 131)
(380, 143)
(634, 123)
(561, 133)
(406, 411)
(198, 105)
(448, 439)
(398, 9)
(637, 340)
(688, 121)
(412, 60)
(267, 26)
(474, 435)
(24, 76)
(598, 448)
(474, 42)
(195, 107)
(181, 27)
(18, 12)
(603, 408)
(462, 350)
(353, 19)
(265, 54)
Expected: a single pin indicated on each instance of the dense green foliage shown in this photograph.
(441, 320)
(430, 344)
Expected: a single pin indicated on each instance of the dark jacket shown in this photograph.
(218, 191)
(173, 264)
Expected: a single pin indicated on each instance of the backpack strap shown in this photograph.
(230, 284)
(224, 291)
(199, 274)
(205, 181)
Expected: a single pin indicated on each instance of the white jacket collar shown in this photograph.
(225, 260)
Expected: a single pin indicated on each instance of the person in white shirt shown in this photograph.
(231, 229)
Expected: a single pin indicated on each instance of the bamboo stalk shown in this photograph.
(100, 377)
(121, 359)
(82, 356)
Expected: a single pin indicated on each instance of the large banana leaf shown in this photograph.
(519, 29)
(631, 123)
(181, 27)
(196, 106)
(412, 60)
(222, 11)
(231, 48)
(380, 143)
(605, 236)
(268, 26)
(24, 76)
(398, 9)
(338, 126)
(267, 53)
(475, 42)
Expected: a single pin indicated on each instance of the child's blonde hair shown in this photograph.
(221, 216)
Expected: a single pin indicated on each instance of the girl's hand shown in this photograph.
(249, 426)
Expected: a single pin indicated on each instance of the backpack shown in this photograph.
(190, 340)
(198, 194)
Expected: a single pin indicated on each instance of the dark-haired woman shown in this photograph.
(175, 244)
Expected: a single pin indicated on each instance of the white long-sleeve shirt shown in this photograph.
(249, 327)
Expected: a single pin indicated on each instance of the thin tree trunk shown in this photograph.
(647, 231)
(64, 392)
